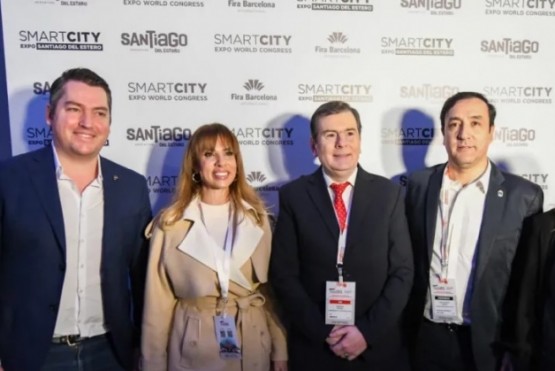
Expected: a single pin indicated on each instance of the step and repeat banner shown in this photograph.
(262, 67)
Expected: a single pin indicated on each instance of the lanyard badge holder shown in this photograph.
(443, 289)
(340, 295)
(224, 325)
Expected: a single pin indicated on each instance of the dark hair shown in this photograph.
(76, 74)
(450, 102)
(331, 108)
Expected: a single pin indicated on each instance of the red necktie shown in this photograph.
(339, 205)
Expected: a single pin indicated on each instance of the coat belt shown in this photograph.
(248, 321)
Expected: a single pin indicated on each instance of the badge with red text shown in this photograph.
(340, 303)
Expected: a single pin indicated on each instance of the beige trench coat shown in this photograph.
(181, 296)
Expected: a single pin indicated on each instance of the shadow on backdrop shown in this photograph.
(35, 133)
(411, 140)
(162, 172)
(289, 161)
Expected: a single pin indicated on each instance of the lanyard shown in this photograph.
(341, 252)
(446, 205)
(223, 264)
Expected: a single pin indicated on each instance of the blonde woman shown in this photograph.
(206, 306)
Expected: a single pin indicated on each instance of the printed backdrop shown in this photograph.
(262, 67)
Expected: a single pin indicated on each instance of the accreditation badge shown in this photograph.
(444, 300)
(340, 303)
(226, 334)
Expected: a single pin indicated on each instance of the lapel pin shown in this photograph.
(500, 193)
(116, 177)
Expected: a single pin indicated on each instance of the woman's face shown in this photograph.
(217, 167)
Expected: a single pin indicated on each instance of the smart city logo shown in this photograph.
(432, 7)
(327, 92)
(176, 91)
(427, 92)
(36, 137)
(164, 3)
(336, 5)
(417, 46)
(252, 43)
(255, 136)
(60, 40)
(156, 135)
(155, 41)
(519, 94)
(162, 183)
(336, 47)
(252, 95)
(412, 136)
(538, 178)
(524, 8)
(511, 48)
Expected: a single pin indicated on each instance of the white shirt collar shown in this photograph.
(329, 181)
(59, 169)
(482, 182)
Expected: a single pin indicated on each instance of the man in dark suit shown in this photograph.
(72, 252)
(356, 239)
(465, 219)
(529, 329)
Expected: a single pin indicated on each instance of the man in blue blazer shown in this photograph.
(465, 219)
(359, 237)
(72, 251)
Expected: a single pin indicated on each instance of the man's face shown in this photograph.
(467, 134)
(80, 121)
(337, 144)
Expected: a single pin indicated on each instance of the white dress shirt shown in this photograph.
(458, 223)
(80, 310)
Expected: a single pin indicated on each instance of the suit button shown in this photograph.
(52, 307)
(62, 267)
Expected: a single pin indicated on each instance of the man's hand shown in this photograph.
(333, 339)
(276, 366)
(346, 342)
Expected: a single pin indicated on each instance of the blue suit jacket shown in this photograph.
(33, 263)
(509, 201)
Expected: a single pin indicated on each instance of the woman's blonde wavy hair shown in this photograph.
(204, 139)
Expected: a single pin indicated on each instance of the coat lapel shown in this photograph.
(493, 211)
(320, 197)
(247, 238)
(43, 178)
(112, 204)
(360, 205)
(432, 201)
(199, 244)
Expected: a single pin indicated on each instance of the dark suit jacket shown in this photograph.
(377, 257)
(529, 332)
(32, 257)
(509, 200)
